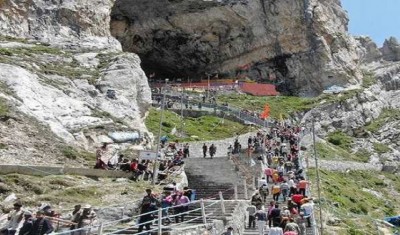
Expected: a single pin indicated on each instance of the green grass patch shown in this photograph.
(9, 38)
(381, 148)
(6, 52)
(4, 110)
(67, 190)
(386, 116)
(279, 105)
(337, 98)
(329, 151)
(3, 146)
(69, 70)
(284, 105)
(368, 80)
(70, 152)
(363, 155)
(73, 154)
(205, 127)
(28, 51)
(41, 49)
(346, 189)
(340, 139)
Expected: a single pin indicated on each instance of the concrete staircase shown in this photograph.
(213, 212)
(245, 169)
(209, 176)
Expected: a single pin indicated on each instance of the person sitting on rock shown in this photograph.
(100, 153)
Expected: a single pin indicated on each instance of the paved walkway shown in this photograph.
(196, 148)
(343, 166)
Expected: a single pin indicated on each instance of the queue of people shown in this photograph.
(22, 221)
(174, 204)
(290, 210)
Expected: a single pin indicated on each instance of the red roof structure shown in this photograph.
(258, 89)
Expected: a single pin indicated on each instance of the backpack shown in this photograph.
(264, 189)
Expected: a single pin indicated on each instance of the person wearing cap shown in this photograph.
(14, 218)
(41, 225)
(27, 226)
(84, 219)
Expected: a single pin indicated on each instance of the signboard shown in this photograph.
(147, 155)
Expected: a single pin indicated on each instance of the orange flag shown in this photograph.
(265, 113)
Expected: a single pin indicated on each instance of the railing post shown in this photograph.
(159, 221)
(100, 231)
(122, 212)
(235, 191)
(246, 196)
(221, 197)
(203, 211)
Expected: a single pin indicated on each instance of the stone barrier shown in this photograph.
(53, 170)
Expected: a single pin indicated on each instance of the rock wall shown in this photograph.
(60, 65)
(302, 45)
(353, 114)
(391, 49)
(63, 23)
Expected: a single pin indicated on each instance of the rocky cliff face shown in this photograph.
(63, 23)
(370, 116)
(60, 66)
(302, 45)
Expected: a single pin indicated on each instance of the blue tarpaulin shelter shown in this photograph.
(395, 220)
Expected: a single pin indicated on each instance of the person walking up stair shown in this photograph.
(204, 150)
(261, 216)
(212, 150)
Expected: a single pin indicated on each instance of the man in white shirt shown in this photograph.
(308, 210)
(261, 221)
(275, 231)
(14, 218)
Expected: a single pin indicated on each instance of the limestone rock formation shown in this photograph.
(391, 49)
(369, 51)
(60, 65)
(63, 23)
(370, 116)
(302, 45)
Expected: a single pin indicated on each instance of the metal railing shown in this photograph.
(238, 113)
(99, 228)
(308, 190)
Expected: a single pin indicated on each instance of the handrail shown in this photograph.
(114, 222)
(314, 225)
(237, 112)
(172, 216)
